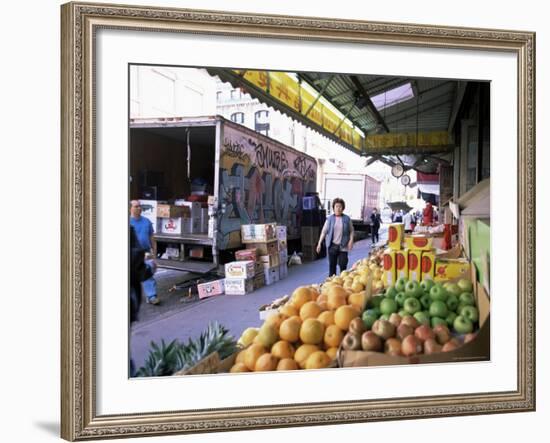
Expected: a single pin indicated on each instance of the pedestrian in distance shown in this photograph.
(407, 222)
(376, 221)
(338, 233)
(144, 233)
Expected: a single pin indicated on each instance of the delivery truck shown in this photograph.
(226, 174)
(360, 192)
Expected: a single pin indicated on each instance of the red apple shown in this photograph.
(431, 346)
(424, 332)
(403, 330)
(383, 328)
(451, 345)
(371, 342)
(442, 333)
(469, 337)
(410, 320)
(411, 346)
(392, 346)
(395, 319)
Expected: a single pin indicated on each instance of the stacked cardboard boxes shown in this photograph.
(239, 277)
(415, 261)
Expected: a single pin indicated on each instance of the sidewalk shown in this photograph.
(234, 312)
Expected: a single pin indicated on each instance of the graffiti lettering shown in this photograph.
(266, 157)
(304, 168)
(234, 149)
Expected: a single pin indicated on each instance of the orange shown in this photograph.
(300, 296)
(282, 349)
(317, 360)
(331, 352)
(310, 310)
(266, 362)
(333, 336)
(288, 310)
(312, 331)
(303, 352)
(239, 367)
(287, 364)
(344, 315)
(326, 317)
(290, 329)
(253, 352)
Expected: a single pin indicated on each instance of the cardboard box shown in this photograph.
(271, 275)
(427, 265)
(281, 232)
(282, 245)
(191, 225)
(389, 270)
(419, 242)
(238, 286)
(269, 261)
(172, 211)
(265, 313)
(196, 252)
(194, 208)
(211, 288)
(415, 260)
(240, 269)
(283, 257)
(172, 226)
(259, 281)
(447, 269)
(402, 264)
(246, 255)
(264, 248)
(149, 211)
(283, 271)
(258, 268)
(258, 233)
(395, 236)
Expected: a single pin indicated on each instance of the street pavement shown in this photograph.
(183, 318)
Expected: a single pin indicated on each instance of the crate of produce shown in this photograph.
(211, 288)
(240, 269)
(258, 233)
(264, 248)
(238, 286)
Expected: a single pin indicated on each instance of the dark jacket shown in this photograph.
(375, 220)
(139, 272)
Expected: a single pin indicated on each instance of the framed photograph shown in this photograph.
(273, 221)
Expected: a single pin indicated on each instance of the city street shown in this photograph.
(175, 318)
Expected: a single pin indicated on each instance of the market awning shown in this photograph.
(369, 115)
(399, 206)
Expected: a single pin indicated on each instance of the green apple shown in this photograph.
(368, 320)
(470, 312)
(438, 308)
(388, 306)
(376, 300)
(412, 305)
(453, 288)
(465, 285)
(390, 292)
(463, 325)
(375, 312)
(451, 318)
(402, 313)
(425, 301)
(452, 302)
(412, 289)
(400, 284)
(400, 298)
(384, 317)
(438, 320)
(422, 317)
(426, 285)
(438, 292)
(467, 298)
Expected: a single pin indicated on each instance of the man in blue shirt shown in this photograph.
(144, 233)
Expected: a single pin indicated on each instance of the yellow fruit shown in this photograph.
(333, 336)
(267, 335)
(336, 298)
(282, 349)
(288, 310)
(357, 287)
(338, 281)
(331, 352)
(357, 300)
(364, 279)
(287, 364)
(373, 267)
(310, 310)
(300, 297)
(322, 298)
(290, 329)
(240, 357)
(314, 294)
(247, 336)
(266, 362)
(239, 367)
(378, 285)
(377, 275)
(326, 317)
(303, 352)
(317, 360)
(344, 315)
(253, 352)
(344, 274)
(275, 320)
(312, 331)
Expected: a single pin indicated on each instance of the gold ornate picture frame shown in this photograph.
(80, 23)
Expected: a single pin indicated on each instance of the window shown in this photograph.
(219, 95)
(393, 96)
(238, 117)
(235, 94)
(261, 122)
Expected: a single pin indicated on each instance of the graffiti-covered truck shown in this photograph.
(252, 178)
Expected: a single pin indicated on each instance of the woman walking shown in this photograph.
(338, 231)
